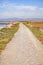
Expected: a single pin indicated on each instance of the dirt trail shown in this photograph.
(23, 49)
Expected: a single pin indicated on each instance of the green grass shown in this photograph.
(36, 31)
(6, 35)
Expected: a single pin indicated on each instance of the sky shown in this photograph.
(21, 9)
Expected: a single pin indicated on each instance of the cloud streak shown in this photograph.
(41, 9)
(19, 7)
(14, 10)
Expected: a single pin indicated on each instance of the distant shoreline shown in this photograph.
(20, 19)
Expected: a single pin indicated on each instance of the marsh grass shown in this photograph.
(36, 31)
(6, 35)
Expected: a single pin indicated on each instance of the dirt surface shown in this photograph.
(23, 49)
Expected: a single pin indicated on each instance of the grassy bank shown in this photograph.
(6, 35)
(36, 31)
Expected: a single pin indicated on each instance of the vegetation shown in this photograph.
(6, 35)
(36, 31)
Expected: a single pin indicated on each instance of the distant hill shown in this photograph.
(35, 18)
(19, 19)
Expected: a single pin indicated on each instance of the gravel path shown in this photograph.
(23, 49)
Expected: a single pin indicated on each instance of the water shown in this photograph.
(2, 25)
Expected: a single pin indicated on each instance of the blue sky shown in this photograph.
(21, 9)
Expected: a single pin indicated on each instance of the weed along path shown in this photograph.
(23, 49)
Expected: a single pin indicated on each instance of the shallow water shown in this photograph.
(2, 25)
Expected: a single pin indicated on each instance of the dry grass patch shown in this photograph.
(35, 28)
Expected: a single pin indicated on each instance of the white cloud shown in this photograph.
(12, 14)
(19, 7)
(41, 9)
(23, 7)
(14, 10)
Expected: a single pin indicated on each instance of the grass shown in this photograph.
(6, 35)
(36, 31)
